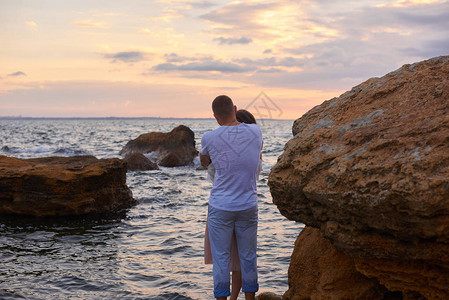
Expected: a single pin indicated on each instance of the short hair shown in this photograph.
(244, 116)
(222, 106)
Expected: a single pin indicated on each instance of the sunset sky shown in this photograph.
(169, 58)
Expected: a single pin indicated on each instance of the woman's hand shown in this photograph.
(205, 160)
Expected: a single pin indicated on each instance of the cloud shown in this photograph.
(174, 62)
(241, 18)
(271, 70)
(431, 48)
(31, 23)
(413, 18)
(127, 56)
(210, 65)
(91, 24)
(372, 41)
(186, 5)
(287, 62)
(205, 66)
(232, 41)
(167, 16)
(175, 58)
(19, 73)
(435, 16)
(328, 50)
(201, 4)
(236, 12)
(407, 3)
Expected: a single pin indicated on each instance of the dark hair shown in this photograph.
(223, 106)
(245, 116)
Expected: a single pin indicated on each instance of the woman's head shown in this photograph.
(245, 116)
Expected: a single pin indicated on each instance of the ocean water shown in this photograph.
(153, 250)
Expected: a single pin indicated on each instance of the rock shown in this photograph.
(414, 278)
(174, 148)
(319, 271)
(138, 162)
(178, 157)
(370, 169)
(58, 186)
(268, 296)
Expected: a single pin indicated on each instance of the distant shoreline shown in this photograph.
(113, 118)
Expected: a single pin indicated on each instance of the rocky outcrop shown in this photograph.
(319, 271)
(58, 186)
(370, 169)
(171, 149)
(138, 162)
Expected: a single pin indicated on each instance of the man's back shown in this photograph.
(235, 153)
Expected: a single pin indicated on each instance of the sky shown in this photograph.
(171, 58)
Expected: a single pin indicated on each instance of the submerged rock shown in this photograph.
(370, 169)
(58, 186)
(174, 148)
(268, 296)
(138, 162)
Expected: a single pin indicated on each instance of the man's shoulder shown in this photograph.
(254, 128)
(251, 125)
(211, 134)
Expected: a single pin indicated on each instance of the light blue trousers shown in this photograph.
(221, 225)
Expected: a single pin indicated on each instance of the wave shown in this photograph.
(44, 149)
(38, 149)
(174, 296)
(156, 245)
(6, 149)
(71, 152)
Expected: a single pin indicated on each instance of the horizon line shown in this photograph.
(116, 118)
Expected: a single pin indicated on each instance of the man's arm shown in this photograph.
(205, 160)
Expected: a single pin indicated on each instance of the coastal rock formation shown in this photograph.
(136, 161)
(174, 148)
(58, 186)
(328, 274)
(370, 169)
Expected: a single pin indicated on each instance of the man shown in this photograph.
(234, 148)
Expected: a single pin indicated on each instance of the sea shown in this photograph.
(153, 250)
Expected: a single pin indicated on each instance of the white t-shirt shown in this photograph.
(211, 171)
(235, 153)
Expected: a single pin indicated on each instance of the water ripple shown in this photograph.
(154, 250)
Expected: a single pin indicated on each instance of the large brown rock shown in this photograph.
(174, 148)
(58, 186)
(319, 271)
(414, 278)
(371, 170)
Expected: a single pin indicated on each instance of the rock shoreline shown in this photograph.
(370, 171)
(62, 186)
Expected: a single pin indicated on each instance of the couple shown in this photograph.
(234, 148)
